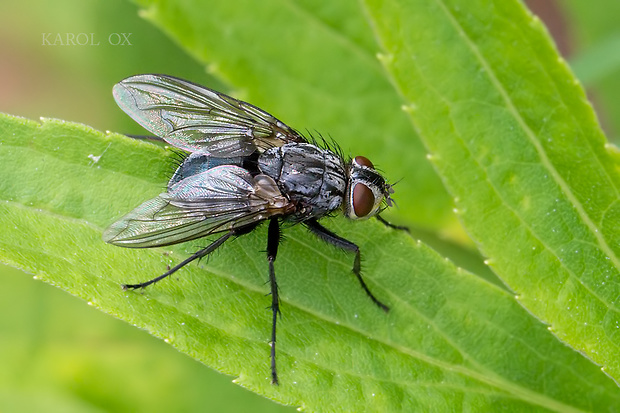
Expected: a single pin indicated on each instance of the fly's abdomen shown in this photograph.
(198, 162)
(312, 177)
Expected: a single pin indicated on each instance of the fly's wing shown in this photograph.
(195, 118)
(220, 199)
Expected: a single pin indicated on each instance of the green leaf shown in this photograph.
(450, 339)
(519, 147)
(60, 355)
(313, 65)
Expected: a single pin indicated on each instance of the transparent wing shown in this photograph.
(196, 118)
(220, 199)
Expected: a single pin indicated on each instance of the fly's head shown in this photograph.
(366, 190)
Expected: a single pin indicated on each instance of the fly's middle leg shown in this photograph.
(273, 240)
(336, 240)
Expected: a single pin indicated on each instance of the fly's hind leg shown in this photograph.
(273, 240)
(203, 252)
(330, 237)
(200, 254)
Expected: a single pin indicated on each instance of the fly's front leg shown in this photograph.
(273, 240)
(390, 225)
(328, 236)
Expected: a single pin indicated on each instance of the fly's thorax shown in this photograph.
(366, 189)
(312, 177)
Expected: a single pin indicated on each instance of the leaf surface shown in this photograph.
(518, 145)
(450, 339)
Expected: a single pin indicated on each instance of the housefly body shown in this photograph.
(243, 167)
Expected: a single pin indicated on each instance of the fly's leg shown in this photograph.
(273, 240)
(389, 224)
(329, 237)
(205, 251)
(200, 254)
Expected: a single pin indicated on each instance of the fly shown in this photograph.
(244, 167)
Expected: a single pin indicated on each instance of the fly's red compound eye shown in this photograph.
(363, 200)
(363, 161)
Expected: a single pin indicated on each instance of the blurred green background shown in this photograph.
(59, 354)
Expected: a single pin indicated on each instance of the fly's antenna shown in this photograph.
(388, 190)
